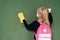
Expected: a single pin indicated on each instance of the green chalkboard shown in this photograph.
(10, 26)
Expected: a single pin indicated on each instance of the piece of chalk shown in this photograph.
(20, 15)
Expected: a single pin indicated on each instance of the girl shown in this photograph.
(43, 15)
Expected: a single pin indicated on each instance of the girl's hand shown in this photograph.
(21, 16)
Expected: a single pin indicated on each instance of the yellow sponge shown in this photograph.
(21, 16)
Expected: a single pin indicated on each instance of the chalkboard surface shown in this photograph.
(10, 26)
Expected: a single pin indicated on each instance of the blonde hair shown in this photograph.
(40, 16)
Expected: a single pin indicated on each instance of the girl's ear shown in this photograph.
(37, 15)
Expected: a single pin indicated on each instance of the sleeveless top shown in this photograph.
(43, 32)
